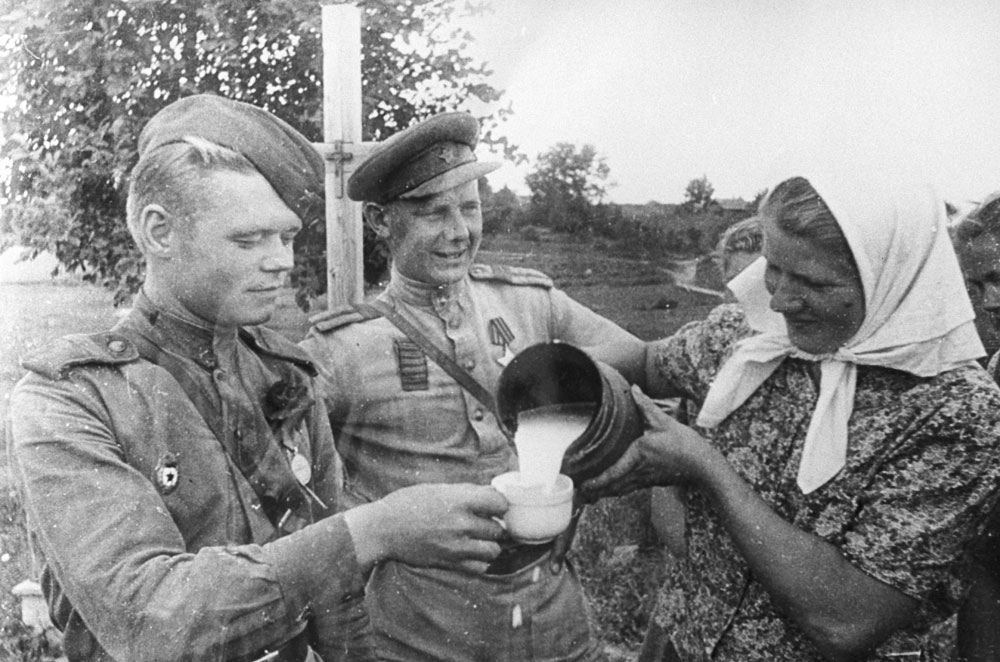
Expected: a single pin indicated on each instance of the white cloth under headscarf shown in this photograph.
(918, 317)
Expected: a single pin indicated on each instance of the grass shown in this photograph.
(615, 551)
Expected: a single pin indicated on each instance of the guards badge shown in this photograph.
(168, 476)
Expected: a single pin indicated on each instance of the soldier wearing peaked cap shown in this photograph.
(400, 419)
(178, 472)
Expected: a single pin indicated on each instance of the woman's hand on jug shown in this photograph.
(668, 453)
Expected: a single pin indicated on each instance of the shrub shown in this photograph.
(530, 233)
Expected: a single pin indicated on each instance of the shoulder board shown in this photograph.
(55, 360)
(269, 341)
(512, 275)
(340, 316)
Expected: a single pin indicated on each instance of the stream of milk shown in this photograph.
(542, 437)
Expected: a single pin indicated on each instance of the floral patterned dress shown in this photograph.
(921, 476)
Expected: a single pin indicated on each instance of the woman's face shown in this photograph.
(817, 290)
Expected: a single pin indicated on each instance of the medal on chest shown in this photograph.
(300, 468)
(502, 336)
(298, 462)
(167, 474)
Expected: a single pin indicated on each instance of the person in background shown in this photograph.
(739, 245)
(845, 453)
(977, 242)
(178, 472)
(401, 417)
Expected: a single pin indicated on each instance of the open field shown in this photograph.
(615, 549)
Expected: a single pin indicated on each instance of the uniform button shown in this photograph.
(469, 364)
(117, 346)
(454, 323)
(220, 375)
(478, 415)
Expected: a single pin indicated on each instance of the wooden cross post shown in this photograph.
(342, 150)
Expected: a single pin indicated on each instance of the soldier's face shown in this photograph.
(980, 260)
(435, 239)
(235, 251)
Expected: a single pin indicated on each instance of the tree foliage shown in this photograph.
(566, 185)
(87, 74)
(501, 211)
(698, 194)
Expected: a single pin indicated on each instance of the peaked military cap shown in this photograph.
(426, 158)
(281, 154)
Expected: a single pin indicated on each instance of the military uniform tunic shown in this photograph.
(155, 543)
(399, 419)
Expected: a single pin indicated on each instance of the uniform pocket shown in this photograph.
(560, 624)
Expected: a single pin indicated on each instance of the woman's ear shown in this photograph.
(377, 219)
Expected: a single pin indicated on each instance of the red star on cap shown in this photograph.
(448, 153)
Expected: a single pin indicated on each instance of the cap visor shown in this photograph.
(466, 172)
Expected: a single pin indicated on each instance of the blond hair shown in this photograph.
(984, 219)
(173, 176)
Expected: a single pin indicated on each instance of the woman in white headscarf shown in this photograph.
(847, 447)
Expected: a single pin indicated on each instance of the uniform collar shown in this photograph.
(416, 293)
(183, 335)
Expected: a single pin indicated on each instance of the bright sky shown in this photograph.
(669, 90)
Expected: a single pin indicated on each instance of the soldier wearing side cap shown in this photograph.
(178, 472)
(400, 418)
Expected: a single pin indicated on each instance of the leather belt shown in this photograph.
(517, 557)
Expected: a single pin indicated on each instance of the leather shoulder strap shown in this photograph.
(199, 398)
(438, 355)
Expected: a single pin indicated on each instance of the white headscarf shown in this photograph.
(918, 317)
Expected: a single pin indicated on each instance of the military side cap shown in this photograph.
(281, 154)
(427, 158)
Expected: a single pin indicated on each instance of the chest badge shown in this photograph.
(301, 468)
(168, 475)
(299, 463)
(412, 364)
(502, 336)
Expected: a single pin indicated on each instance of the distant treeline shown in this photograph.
(650, 228)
